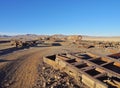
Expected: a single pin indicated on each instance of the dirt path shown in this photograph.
(22, 72)
(21, 67)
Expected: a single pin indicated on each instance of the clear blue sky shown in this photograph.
(86, 17)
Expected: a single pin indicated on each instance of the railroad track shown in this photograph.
(92, 70)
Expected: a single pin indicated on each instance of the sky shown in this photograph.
(84, 17)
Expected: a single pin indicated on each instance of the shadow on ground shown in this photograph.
(3, 60)
(10, 50)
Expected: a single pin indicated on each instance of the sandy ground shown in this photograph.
(22, 68)
(113, 39)
(19, 69)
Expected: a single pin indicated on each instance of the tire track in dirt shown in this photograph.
(22, 72)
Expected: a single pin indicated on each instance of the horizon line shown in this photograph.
(18, 34)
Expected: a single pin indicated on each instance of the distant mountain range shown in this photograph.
(55, 35)
(4, 36)
(84, 37)
(30, 36)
